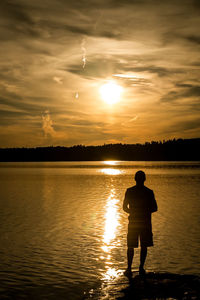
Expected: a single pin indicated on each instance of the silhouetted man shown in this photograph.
(139, 203)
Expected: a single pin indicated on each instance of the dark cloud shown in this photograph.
(16, 20)
(182, 91)
(191, 91)
(196, 3)
(15, 101)
(183, 125)
(131, 81)
(90, 31)
(160, 71)
(13, 10)
(181, 38)
(194, 39)
(101, 67)
(74, 17)
(102, 4)
(127, 2)
(8, 115)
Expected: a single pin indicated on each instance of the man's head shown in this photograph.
(140, 177)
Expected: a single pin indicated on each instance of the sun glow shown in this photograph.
(111, 92)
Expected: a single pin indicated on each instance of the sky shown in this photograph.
(56, 55)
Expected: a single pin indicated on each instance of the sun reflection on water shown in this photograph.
(111, 222)
(110, 162)
(110, 171)
(111, 273)
(109, 237)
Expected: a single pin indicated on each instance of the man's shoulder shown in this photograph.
(148, 190)
(131, 191)
(135, 188)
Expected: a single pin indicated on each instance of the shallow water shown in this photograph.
(63, 231)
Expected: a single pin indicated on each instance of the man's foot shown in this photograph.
(128, 273)
(142, 271)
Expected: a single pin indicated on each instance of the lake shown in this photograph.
(63, 230)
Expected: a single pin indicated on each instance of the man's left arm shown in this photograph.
(154, 206)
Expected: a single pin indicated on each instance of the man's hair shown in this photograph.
(140, 177)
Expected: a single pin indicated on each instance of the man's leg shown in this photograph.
(130, 254)
(132, 242)
(143, 255)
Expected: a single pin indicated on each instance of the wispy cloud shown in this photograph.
(47, 125)
(58, 80)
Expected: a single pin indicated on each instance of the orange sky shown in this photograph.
(56, 54)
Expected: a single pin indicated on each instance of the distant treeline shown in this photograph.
(175, 150)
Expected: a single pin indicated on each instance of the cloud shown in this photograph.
(133, 80)
(150, 49)
(184, 126)
(130, 121)
(58, 80)
(181, 92)
(96, 68)
(17, 21)
(16, 11)
(131, 68)
(194, 39)
(47, 125)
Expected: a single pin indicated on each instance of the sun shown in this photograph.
(111, 92)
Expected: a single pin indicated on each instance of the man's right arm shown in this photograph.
(126, 203)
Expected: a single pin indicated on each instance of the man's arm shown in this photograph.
(125, 204)
(154, 206)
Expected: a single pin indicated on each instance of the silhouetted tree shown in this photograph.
(175, 150)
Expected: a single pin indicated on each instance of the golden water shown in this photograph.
(63, 230)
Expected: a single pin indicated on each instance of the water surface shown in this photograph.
(63, 231)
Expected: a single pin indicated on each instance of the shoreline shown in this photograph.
(154, 285)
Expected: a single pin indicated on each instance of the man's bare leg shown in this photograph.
(130, 255)
(143, 255)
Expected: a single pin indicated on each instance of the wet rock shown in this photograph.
(162, 286)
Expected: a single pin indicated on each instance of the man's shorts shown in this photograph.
(136, 231)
